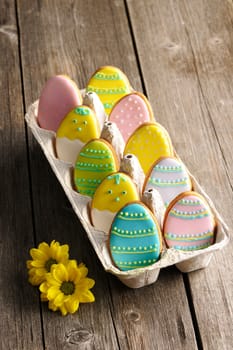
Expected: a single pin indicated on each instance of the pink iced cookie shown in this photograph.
(189, 223)
(59, 96)
(130, 112)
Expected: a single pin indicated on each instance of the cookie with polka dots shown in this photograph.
(58, 97)
(113, 193)
(96, 160)
(135, 237)
(110, 84)
(169, 177)
(76, 129)
(189, 223)
(148, 143)
(130, 112)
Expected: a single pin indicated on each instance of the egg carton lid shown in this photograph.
(185, 261)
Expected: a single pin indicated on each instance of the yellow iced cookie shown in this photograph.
(96, 160)
(148, 143)
(110, 84)
(77, 128)
(115, 191)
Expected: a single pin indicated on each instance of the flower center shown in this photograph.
(49, 263)
(67, 288)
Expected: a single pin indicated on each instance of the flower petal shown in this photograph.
(63, 310)
(37, 254)
(72, 305)
(59, 300)
(44, 247)
(86, 297)
(53, 292)
(85, 283)
(59, 272)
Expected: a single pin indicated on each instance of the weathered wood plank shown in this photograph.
(20, 325)
(186, 60)
(76, 38)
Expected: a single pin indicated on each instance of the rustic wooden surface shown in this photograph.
(180, 53)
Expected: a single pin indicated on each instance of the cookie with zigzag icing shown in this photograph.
(189, 223)
(110, 84)
(96, 160)
(135, 237)
(113, 193)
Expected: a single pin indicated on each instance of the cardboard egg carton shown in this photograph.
(184, 261)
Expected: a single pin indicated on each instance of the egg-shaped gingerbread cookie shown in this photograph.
(58, 97)
(148, 143)
(113, 193)
(76, 129)
(130, 112)
(169, 177)
(110, 84)
(96, 160)
(135, 237)
(189, 223)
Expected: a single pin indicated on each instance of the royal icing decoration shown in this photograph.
(170, 177)
(76, 129)
(189, 224)
(135, 238)
(148, 143)
(110, 84)
(96, 160)
(59, 96)
(112, 194)
(130, 112)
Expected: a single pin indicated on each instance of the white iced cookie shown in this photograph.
(115, 191)
(112, 134)
(77, 128)
(170, 177)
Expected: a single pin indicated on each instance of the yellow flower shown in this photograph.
(66, 286)
(43, 258)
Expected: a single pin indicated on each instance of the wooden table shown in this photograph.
(180, 54)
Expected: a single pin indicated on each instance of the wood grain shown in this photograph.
(186, 61)
(20, 325)
(76, 38)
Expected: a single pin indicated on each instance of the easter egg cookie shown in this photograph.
(110, 84)
(169, 176)
(189, 223)
(130, 112)
(148, 143)
(112, 194)
(135, 237)
(96, 160)
(59, 96)
(76, 129)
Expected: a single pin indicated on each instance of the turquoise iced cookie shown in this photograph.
(135, 237)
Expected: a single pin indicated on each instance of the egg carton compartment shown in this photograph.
(184, 261)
